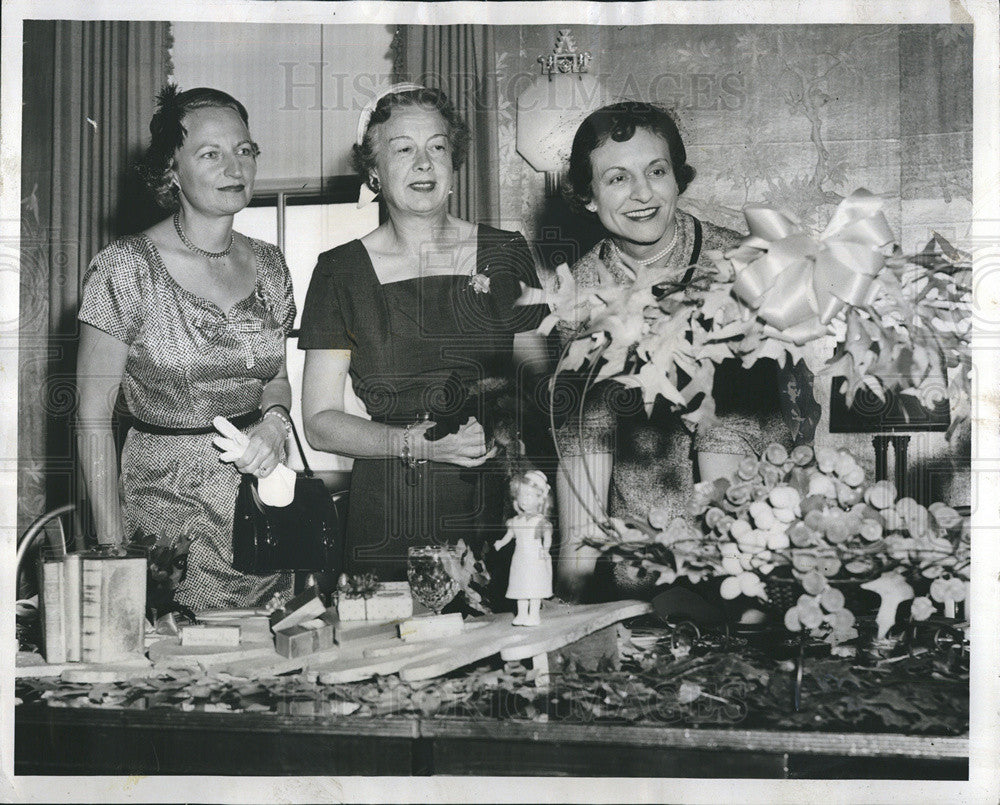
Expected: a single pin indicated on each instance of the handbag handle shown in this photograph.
(298, 442)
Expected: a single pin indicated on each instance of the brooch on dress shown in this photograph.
(479, 281)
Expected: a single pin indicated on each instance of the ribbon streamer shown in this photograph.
(797, 283)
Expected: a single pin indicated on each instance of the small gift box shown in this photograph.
(431, 627)
(210, 635)
(303, 607)
(381, 602)
(392, 601)
(351, 609)
(305, 638)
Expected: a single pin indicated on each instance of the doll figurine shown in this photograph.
(531, 565)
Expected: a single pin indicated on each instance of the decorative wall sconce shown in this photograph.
(551, 108)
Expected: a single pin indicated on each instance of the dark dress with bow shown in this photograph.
(439, 345)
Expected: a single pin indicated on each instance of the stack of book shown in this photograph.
(93, 607)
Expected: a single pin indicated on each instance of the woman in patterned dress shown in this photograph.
(627, 168)
(420, 312)
(190, 318)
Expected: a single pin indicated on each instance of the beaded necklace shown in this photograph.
(659, 255)
(197, 249)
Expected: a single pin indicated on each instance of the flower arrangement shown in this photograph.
(471, 574)
(479, 282)
(807, 518)
(167, 566)
(899, 323)
(357, 585)
(812, 513)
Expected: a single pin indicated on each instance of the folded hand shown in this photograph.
(255, 453)
(465, 448)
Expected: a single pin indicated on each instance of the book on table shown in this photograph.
(93, 607)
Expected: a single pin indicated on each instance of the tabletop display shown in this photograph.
(854, 597)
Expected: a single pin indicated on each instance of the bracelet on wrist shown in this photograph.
(406, 453)
(276, 407)
(285, 420)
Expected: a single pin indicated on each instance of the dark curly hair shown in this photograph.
(363, 156)
(168, 133)
(619, 122)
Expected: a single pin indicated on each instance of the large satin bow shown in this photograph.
(796, 282)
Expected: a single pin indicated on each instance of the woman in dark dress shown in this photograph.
(628, 167)
(421, 313)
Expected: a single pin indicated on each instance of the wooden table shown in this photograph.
(90, 741)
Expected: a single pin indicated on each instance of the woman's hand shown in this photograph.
(466, 447)
(265, 450)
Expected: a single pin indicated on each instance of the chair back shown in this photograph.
(37, 530)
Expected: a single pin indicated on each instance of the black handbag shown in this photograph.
(307, 534)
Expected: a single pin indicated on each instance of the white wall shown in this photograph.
(303, 87)
(310, 230)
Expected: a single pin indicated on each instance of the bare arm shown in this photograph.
(506, 537)
(329, 427)
(577, 561)
(100, 366)
(547, 536)
(532, 363)
(278, 391)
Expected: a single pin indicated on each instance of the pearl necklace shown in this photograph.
(660, 254)
(197, 249)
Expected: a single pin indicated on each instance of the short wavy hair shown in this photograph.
(619, 122)
(167, 135)
(531, 478)
(363, 156)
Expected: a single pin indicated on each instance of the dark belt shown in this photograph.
(239, 421)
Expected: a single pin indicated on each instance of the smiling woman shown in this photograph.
(189, 317)
(421, 313)
(627, 167)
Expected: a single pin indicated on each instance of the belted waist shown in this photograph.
(239, 421)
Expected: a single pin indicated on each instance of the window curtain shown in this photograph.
(89, 89)
(460, 60)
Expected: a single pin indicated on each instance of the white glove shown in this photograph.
(278, 488)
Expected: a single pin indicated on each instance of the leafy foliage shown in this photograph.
(809, 520)
(167, 565)
(713, 682)
(910, 332)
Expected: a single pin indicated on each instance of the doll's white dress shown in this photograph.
(531, 565)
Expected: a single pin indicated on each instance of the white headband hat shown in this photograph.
(537, 479)
(366, 195)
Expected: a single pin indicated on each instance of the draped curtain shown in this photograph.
(460, 60)
(88, 97)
